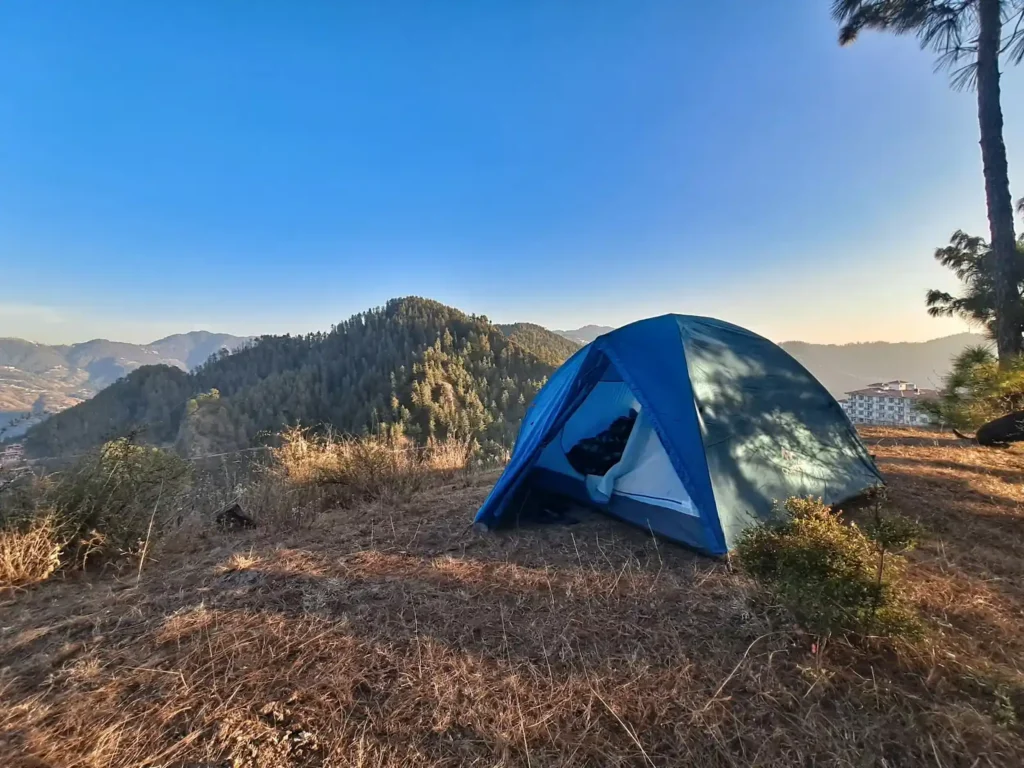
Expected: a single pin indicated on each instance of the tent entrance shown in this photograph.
(641, 480)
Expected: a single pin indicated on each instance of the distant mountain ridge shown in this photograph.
(196, 347)
(845, 367)
(52, 377)
(550, 347)
(586, 334)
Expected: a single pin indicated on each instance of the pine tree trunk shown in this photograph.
(997, 184)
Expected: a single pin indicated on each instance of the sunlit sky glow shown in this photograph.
(272, 167)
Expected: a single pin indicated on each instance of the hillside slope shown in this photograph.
(67, 374)
(28, 371)
(549, 346)
(388, 634)
(30, 357)
(375, 369)
(414, 365)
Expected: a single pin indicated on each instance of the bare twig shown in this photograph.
(149, 531)
(735, 669)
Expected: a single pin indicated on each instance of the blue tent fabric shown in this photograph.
(648, 356)
(743, 425)
(770, 429)
(548, 412)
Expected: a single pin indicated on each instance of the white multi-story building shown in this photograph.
(889, 402)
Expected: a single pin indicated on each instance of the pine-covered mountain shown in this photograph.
(63, 375)
(414, 365)
(549, 346)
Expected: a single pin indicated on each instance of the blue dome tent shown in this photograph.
(726, 422)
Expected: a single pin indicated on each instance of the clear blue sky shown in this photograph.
(269, 166)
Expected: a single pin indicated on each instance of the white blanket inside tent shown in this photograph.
(644, 473)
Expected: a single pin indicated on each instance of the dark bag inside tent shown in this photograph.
(596, 455)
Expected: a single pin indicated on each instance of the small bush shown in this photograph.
(831, 575)
(30, 552)
(103, 504)
(449, 456)
(977, 390)
(892, 533)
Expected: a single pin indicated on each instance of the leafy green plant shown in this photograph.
(106, 504)
(103, 504)
(831, 575)
(977, 390)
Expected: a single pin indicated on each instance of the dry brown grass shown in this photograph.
(390, 634)
(30, 553)
(367, 467)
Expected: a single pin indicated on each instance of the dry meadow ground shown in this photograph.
(394, 635)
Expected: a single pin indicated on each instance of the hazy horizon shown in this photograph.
(141, 339)
(262, 169)
(60, 327)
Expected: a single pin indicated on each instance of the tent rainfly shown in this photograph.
(726, 423)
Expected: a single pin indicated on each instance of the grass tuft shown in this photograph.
(30, 552)
(367, 467)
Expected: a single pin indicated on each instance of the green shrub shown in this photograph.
(103, 503)
(892, 533)
(977, 390)
(831, 575)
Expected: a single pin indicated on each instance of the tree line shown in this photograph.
(414, 367)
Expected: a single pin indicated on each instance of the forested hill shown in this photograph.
(547, 345)
(414, 365)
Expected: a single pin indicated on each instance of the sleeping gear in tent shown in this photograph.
(596, 455)
(686, 426)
